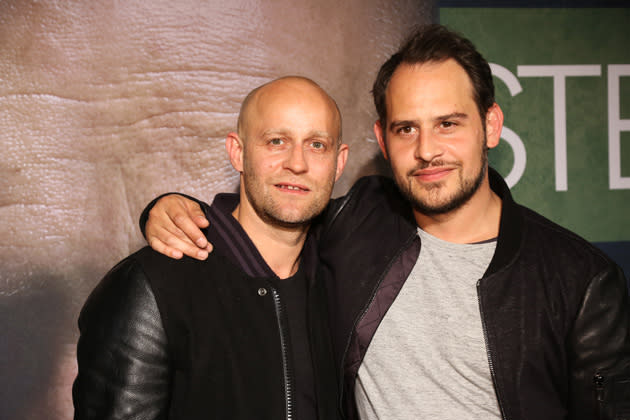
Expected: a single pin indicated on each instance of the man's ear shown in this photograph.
(494, 125)
(380, 137)
(342, 157)
(234, 147)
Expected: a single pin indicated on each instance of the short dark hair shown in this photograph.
(437, 43)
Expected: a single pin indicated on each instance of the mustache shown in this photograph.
(432, 164)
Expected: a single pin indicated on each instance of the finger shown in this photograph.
(159, 219)
(160, 223)
(184, 244)
(201, 221)
(197, 215)
(188, 226)
(162, 248)
(194, 210)
(175, 215)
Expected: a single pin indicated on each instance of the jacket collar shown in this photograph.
(231, 241)
(510, 227)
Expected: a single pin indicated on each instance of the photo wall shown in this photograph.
(106, 104)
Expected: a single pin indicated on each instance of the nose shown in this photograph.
(428, 146)
(296, 160)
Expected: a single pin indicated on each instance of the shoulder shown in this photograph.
(165, 272)
(139, 284)
(372, 186)
(563, 249)
(123, 294)
(374, 195)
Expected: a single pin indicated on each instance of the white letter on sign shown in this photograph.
(518, 148)
(559, 74)
(615, 126)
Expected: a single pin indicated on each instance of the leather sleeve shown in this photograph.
(122, 351)
(600, 374)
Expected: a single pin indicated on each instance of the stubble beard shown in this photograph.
(429, 203)
(271, 212)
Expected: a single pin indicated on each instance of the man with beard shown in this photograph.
(448, 299)
(243, 334)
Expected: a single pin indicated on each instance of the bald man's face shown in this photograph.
(289, 154)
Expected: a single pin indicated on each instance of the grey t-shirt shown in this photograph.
(428, 357)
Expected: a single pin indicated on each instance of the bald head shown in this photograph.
(289, 153)
(288, 89)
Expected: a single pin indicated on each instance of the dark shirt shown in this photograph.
(293, 293)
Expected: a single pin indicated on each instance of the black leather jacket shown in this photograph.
(554, 308)
(192, 339)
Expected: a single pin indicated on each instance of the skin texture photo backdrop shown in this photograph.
(105, 104)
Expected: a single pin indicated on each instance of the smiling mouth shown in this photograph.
(431, 171)
(431, 174)
(292, 187)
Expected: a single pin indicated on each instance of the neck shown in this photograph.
(279, 246)
(475, 221)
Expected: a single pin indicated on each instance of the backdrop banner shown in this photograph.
(106, 104)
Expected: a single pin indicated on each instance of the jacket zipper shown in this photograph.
(598, 381)
(288, 385)
(489, 352)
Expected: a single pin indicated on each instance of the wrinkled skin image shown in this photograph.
(104, 105)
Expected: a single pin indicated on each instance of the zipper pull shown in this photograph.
(599, 380)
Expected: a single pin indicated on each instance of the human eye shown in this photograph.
(319, 145)
(276, 141)
(448, 124)
(405, 130)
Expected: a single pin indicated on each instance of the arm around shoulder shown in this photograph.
(144, 217)
(122, 350)
(172, 225)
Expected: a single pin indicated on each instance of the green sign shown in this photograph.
(562, 78)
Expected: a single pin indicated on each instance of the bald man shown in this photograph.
(243, 334)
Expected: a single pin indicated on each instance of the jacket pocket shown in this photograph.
(613, 392)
